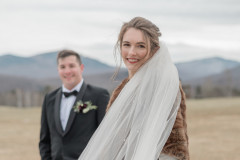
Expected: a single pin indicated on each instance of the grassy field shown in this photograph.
(213, 126)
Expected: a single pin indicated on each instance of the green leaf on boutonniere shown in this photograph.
(84, 107)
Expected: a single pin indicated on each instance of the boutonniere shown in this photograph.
(83, 107)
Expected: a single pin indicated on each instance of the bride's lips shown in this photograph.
(132, 60)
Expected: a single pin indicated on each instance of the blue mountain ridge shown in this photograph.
(44, 66)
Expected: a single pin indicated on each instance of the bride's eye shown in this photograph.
(126, 44)
(141, 46)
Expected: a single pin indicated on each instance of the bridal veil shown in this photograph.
(141, 118)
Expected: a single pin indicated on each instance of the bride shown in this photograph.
(145, 117)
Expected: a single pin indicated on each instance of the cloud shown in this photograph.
(30, 27)
(183, 52)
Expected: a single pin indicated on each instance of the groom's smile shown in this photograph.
(70, 71)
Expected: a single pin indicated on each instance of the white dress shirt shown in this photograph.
(67, 104)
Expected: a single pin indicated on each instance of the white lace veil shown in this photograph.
(141, 118)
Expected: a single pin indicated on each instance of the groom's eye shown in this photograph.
(62, 67)
(71, 65)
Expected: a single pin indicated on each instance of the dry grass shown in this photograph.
(19, 133)
(213, 126)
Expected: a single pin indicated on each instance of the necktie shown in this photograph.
(67, 94)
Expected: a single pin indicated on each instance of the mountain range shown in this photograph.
(44, 66)
(204, 67)
(35, 72)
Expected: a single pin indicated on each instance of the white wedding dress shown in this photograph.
(140, 120)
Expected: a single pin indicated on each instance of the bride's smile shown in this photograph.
(134, 50)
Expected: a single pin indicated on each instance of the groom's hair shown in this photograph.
(65, 53)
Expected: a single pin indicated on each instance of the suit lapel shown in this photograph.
(57, 111)
(72, 113)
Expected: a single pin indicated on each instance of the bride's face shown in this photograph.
(134, 50)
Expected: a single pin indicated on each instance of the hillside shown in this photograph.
(44, 66)
(39, 73)
(204, 67)
(9, 83)
(230, 77)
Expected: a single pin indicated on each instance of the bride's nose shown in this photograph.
(132, 51)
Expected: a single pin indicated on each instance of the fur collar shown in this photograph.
(177, 143)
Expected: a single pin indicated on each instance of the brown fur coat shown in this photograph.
(177, 143)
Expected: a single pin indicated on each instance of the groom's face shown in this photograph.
(70, 71)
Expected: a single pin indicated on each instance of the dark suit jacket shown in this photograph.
(56, 144)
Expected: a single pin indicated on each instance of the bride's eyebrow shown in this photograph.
(136, 43)
(141, 43)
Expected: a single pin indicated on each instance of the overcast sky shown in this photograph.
(191, 28)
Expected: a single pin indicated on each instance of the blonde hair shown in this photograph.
(150, 31)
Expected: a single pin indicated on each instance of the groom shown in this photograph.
(72, 113)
